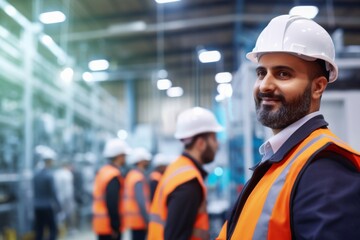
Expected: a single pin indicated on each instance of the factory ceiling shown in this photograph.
(139, 37)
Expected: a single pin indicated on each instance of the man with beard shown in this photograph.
(178, 209)
(307, 184)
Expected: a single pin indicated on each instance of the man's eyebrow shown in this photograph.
(280, 67)
(259, 68)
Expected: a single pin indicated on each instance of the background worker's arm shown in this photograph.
(141, 199)
(183, 204)
(112, 203)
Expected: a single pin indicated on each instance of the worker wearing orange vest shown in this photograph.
(159, 163)
(307, 184)
(137, 195)
(178, 210)
(108, 188)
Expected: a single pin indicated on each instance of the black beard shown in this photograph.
(208, 155)
(288, 113)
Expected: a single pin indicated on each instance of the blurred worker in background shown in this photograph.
(307, 185)
(46, 203)
(178, 210)
(159, 163)
(64, 181)
(137, 195)
(108, 192)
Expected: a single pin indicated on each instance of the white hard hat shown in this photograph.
(194, 121)
(300, 36)
(115, 147)
(139, 154)
(162, 159)
(45, 152)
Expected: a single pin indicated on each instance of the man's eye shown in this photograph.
(260, 73)
(284, 75)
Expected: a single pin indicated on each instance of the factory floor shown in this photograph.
(87, 235)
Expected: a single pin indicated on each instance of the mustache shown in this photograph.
(261, 95)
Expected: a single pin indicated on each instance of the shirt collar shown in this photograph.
(275, 142)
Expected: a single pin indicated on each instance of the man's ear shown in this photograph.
(200, 143)
(318, 87)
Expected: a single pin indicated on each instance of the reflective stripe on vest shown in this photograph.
(266, 214)
(262, 227)
(176, 174)
(133, 216)
(101, 220)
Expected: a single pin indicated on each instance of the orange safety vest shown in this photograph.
(133, 217)
(266, 213)
(101, 220)
(177, 173)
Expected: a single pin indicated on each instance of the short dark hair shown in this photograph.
(321, 69)
(190, 144)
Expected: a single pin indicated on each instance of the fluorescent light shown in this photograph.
(225, 89)
(175, 92)
(223, 77)
(163, 84)
(87, 77)
(10, 10)
(67, 74)
(98, 65)
(136, 26)
(53, 47)
(95, 76)
(166, 1)
(122, 134)
(52, 17)
(305, 11)
(209, 56)
(47, 40)
(162, 73)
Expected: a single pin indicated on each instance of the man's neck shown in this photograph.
(195, 155)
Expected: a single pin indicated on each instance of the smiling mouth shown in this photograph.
(267, 100)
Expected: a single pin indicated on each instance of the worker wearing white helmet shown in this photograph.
(307, 184)
(178, 209)
(46, 202)
(137, 194)
(108, 192)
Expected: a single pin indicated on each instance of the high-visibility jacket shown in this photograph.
(101, 220)
(133, 217)
(266, 213)
(177, 173)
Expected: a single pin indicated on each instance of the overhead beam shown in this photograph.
(195, 23)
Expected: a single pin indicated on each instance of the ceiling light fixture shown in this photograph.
(223, 77)
(209, 56)
(87, 77)
(122, 134)
(175, 92)
(98, 65)
(305, 11)
(166, 1)
(225, 89)
(67, 74)
(136, 26)
(52, 17)
(163, 84)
